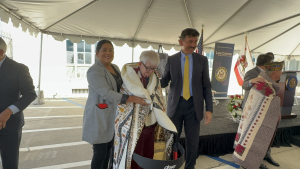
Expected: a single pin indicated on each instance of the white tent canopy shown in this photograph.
(272, 25)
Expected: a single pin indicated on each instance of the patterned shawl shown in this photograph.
(258, 123)
(131, 117)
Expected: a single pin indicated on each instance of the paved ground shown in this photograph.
(53, 133)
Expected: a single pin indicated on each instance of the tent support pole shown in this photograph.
(295, 49)
(255, 29)
(143, 19)
(277, 36)
(188, 13)
(73, 13)
(132, 51)
(229, 19)
(40, 70)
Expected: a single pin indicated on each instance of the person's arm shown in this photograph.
(124, 98)
(26, 88)
(96, 79)
(207, 87)
(247, 84)
(14, 109)
(164, 81)
(251, 79)
(207, 92)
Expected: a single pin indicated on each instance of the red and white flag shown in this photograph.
(243, 63)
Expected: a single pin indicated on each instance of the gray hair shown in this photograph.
(2, 45)
(151, 56)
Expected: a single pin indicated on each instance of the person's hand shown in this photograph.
(137, 100)
(4, 116)
(207, 117)
(257, 80)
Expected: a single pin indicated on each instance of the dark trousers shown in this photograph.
(9, 149)
(101, 155)
(145, 145)
(186, 114)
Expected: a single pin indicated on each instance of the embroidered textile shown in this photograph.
(131, 117)
(258, 124)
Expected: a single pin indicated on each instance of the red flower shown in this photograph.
(231, 97)
(234, 106)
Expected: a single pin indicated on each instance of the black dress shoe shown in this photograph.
(271, 161)
(262, 166)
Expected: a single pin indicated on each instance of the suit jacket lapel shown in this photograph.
(4, 69)
(178, 64)
(111, 78)
(194, 64)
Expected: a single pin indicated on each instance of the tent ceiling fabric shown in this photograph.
(154, 22)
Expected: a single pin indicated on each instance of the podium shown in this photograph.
(288, 83)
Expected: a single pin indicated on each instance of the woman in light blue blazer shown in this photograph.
(99, 115)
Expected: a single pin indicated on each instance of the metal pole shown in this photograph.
(132, 51)
(40, 67)
(251, 30)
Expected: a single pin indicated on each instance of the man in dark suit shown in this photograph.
(250, 79)
(190, 86)
(16, 93)
(251, 76)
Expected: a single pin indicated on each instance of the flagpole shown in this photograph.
(200, 49)
(246, 44)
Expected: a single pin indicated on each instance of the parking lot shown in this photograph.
(53, 132)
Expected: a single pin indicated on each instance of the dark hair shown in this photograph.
(262, 59)
(189, 32)
(271, 54)
(100, 43)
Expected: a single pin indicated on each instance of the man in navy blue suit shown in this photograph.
(190, 87)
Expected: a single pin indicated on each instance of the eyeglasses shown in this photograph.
(149, 69)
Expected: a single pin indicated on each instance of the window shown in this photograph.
(84, 53)
(70, 52)
(79, 53)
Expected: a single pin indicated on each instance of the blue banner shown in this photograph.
(221, 68)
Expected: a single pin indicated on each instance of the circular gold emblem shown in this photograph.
(291, 83)
(221, 74)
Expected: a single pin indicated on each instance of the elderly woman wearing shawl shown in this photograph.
(258, 123)
(137, 126)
